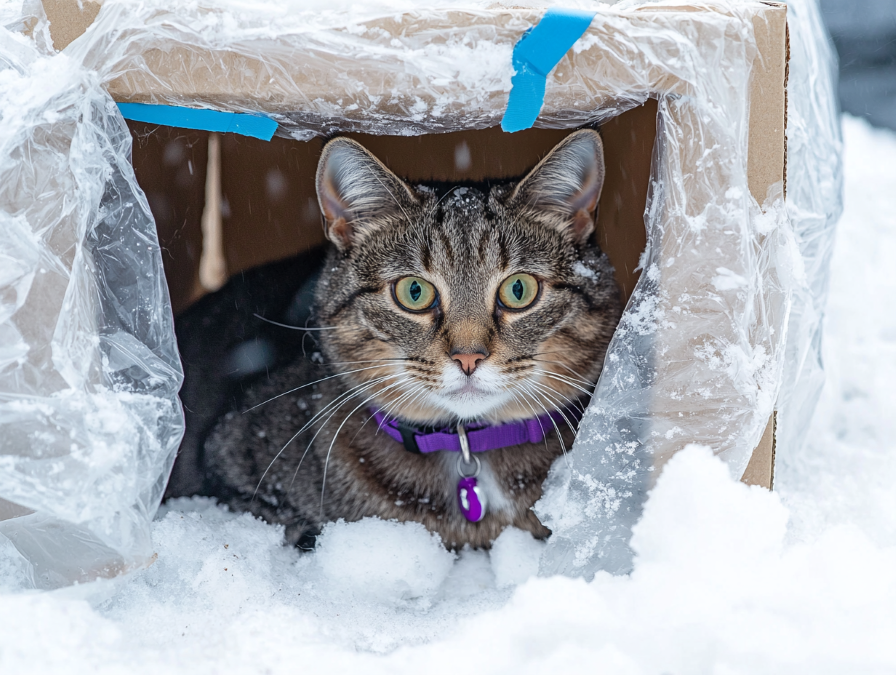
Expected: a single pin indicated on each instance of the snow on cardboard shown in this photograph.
(92, 421)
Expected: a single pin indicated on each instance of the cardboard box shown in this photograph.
(268, 207)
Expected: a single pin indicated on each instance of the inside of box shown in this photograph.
(268, 208)
(229, 203)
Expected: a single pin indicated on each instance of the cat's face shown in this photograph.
(469, 307)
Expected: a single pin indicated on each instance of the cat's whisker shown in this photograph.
(528, 397)
(418, 392)
(541, 405)
(421, 391)
(309, 384)
(567, 381)
(442, 198)
(333, 407)
(575, 375)
(335, 435)
(572, 427)
(383, 410)
(297, 434)
(286, 325)
(344, 396)
(549, 396)
(574, 378)
(575, 403)
(521, 402)
(401, 399)
(344, 363)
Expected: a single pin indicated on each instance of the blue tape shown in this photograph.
(534, 57)
(256, 126)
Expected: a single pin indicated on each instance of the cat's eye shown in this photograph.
(518, 291)
(414, 294)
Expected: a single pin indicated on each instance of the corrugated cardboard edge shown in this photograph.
(767, 165)
(761, 469)
(768, 105)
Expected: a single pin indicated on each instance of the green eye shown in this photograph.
(518, 291)
(414, 293)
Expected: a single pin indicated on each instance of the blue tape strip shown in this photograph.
(534, 57)
(256, 126)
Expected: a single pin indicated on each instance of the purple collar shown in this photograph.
(481, 436)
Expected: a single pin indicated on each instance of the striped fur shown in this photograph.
(465, 243)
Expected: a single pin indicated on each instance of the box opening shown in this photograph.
(268, 206)
(226, 203)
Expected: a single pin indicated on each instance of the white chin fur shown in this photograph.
(471, 407)
(471, 398)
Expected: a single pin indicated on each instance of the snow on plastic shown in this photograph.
(89, 418)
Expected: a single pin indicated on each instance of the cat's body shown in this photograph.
(368, 473)
(468, 308)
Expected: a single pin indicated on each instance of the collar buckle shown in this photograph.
(409, 437)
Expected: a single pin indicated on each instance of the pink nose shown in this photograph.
(468, 362)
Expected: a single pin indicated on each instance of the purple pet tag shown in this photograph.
(470, 498)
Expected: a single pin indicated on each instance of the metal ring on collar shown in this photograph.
(461, 463)
(464, 442)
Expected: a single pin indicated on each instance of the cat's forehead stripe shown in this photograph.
(425, 256)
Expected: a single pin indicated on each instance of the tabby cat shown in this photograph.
(460, 336)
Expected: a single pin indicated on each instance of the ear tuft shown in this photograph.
(357, 193)
(565, 186)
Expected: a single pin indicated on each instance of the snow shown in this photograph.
(728, 578)
(514, 557)
(382, 561)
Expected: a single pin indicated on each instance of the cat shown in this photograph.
(462, 318)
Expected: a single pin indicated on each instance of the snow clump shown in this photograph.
(382, 560)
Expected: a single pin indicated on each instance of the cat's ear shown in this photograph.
(357, 193)
(566, 185)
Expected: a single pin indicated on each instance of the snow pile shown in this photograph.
(379, 560)
(727, 578)
(371, 585)
(515, 556)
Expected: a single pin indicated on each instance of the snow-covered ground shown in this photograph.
(728, 579)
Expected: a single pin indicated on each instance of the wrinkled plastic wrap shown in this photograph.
(768, 356)
(814, 203)
(89, 371)
(765, 356)
(727, 307)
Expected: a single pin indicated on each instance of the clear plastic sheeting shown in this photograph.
(771, 359)
(814, 203)
(727, 307)
(778, 360)
(89, 371)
